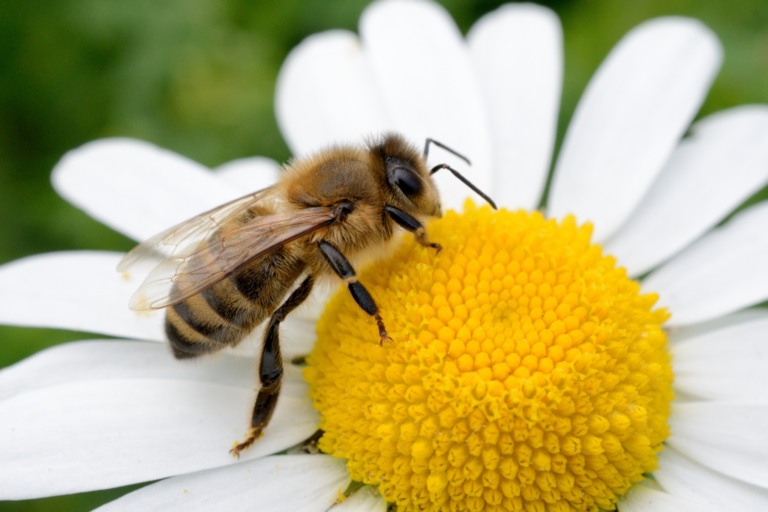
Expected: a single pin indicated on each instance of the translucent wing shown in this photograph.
(199, 267)
(147, 255)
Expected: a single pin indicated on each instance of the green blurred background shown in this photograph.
(197, 77)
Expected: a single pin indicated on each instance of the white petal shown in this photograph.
(315, 304)
(249, 174)
(726, 437)
(81, 291)
(82, 436)
(326, 94)
(644, 499)
(136, 188)
(651, 484)
(722, 272)
(681, 334)
(365, 499)
(518, 54)
(712, 172)
(684, 478)
(77, 290)
(633, 112)
(118, 359)
(725, 364)
(299, 337)
(430, 89)
(285, 483)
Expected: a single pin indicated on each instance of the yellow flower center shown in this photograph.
(526, 372)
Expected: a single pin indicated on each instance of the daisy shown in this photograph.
(100, 414)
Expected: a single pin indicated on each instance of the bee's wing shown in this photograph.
(147, 255)
(199, 267)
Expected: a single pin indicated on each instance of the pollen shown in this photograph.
(526, 371)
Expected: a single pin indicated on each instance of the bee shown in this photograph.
(221, 274)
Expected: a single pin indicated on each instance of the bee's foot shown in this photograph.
(239, 447)
(384, 337)
(421, 237)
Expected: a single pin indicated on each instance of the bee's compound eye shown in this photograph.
(406, 181)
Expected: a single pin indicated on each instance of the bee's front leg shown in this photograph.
(344, 270)
(412, 224)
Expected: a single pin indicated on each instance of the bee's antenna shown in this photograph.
(441, 145)
(465, 181)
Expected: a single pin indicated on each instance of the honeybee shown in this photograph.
(224, 272)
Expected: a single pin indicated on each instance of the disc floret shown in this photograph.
(526, 372)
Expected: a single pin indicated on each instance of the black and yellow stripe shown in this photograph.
(224, 314)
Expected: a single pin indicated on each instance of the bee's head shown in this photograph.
(406, 178)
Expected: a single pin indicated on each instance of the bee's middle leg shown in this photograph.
(413, 225)
(344, 270)
(271, 366)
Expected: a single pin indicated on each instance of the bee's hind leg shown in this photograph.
(344, 270)
(271, 367)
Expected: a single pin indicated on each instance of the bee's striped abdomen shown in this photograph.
(222, 315)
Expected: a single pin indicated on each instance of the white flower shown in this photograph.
(99, 414)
